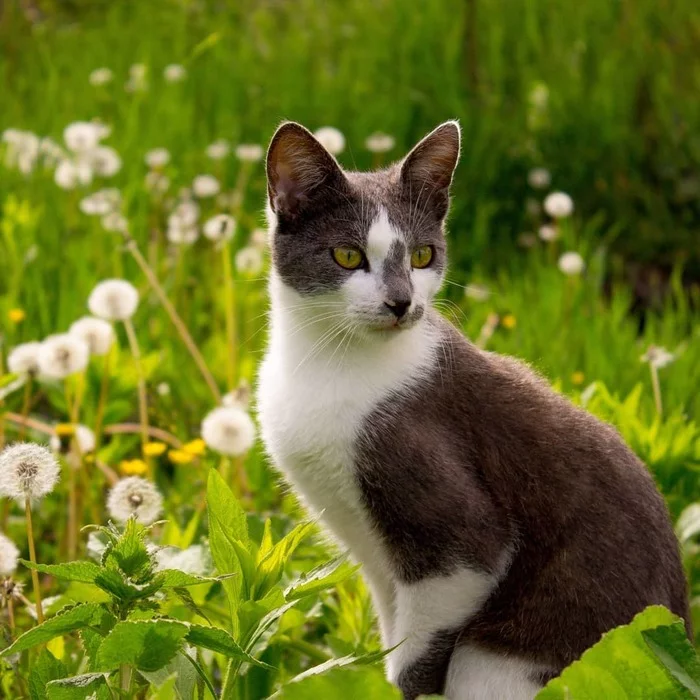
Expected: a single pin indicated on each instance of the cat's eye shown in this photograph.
(422, 257)
(349, 258)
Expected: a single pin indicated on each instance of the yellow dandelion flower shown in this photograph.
(133, 467)
(509, 321)
(180, 457)
(65, 430)
(577, 378)
(154, 449)
(16, 315)
(195, 447)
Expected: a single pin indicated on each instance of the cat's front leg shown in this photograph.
(430, 614)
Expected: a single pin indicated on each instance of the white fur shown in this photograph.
(433, 604)
(478, 674)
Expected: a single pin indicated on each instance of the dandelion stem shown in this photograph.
(72, 513)
(657, 388)
(102, 401)
(11, 615)
(175, 318)
(32, 558)
(230, 316)
(26, 403)
(136, 353)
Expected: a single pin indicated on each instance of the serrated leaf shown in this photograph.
(220, 641)
(147, 645)
(619, 667)
(265, 542)
(675, 652)
(129, 553)
(46, 668)
(341, 684)
(113, 582)
(182, 670)
(91, 643)
(225, 507)
(82, 571)
(266, 622)
(88, 685)
(251, 612)
(85, 615)
(321, 578)
(174, 578)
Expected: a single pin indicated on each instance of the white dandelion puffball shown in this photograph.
(24, 359)
(157, 182)
(101, 202)
(96, 332)
(51, 152)
(9, 556)
(174, 73)
(571, 264)
(218, 150)
(182, 235)
(157, 157)
(114, 300)
(250, 260)
(559, 205)
(163, 389)
(68, 175)
(259, 238)
(250, 152)
(548, 233)
(101, 76)
(83, 136)
(135, 497)
(228, 430)
(84, 437)
(539, 178)
(184, 215)
(220, 228)
(27, 470)
(114, 222)
(62, 355)
(105, 161)
(205, 186)
(379, 143)
(658, 357)
(331, 139)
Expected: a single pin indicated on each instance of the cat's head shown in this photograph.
(368, 247)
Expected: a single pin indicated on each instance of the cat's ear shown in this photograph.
(298, 169)
(426, 172)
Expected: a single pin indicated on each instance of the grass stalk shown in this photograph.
(656, 387)
(230, 302)
(143, 404)
(32, 558)
(102, 401)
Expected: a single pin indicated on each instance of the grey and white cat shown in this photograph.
(500, 529)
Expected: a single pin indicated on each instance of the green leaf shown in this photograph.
(251, 612)
(220, 641)
(83, 571)
(184, 673)
(174, 578)
(46, 668)
(266, 622)
(166, 691)
(129, 553)
(85, 615)
(114, 582)
(89, 685)
(619, 667)
(321, 578)
(147, 645)
(225, 507)
(91, 643)
(671, 646)
(688, 525)
(341, 684)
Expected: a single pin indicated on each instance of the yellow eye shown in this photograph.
(349, 258)
(422, 256)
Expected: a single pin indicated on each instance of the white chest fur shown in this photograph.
(311, 406)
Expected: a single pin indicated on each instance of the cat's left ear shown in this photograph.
(426, 172)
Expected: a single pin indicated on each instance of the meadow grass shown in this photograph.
(391, 69)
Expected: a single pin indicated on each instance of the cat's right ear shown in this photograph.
(298, 169)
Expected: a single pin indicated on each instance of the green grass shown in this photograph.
(617, 135)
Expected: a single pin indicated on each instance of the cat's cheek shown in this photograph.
(426, 284)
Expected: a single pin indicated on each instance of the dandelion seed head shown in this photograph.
(134, 497)
(182, 235)
(379, 143)
(62, 355)
(96, 332)
(101, 202)
(185, 215)
(163, 389)
(250, 260)
(104, 161)
(115, 222)
(571, 263)
(539, 178)
(548, 233)
(259, 238)
(331, 139)
(157, 157)
(137, 78)
(174, 73)
(228, 430)
(205, 186)
(658, 357)
(24, 359)
(218, 150)
(81, 137)
(9, 556)
(249, 152)
(157, 182)
(100, 76)
(114, 300)
(220, 228)
(69, 174)
(27, 470)
(83, 436)
(559, 205)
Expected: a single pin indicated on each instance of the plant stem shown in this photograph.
(136, 353)
(175, 318)
(102, 401)
(72, 513)
(304, 648)
(230, 315)
(32, 558)
(657, 388)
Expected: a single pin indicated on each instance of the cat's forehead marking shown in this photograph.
(381, 238)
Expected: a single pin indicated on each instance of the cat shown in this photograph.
(501, 530)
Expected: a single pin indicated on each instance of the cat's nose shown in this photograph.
(398, 307)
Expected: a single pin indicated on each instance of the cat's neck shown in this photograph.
(306, 335)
